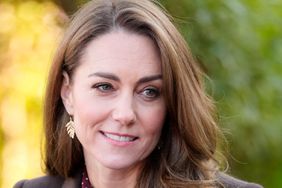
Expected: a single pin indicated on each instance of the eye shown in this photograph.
(151, 92)
(103, 87)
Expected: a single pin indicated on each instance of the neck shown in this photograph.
(103, 177)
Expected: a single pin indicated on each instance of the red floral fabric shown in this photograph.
(85, 183)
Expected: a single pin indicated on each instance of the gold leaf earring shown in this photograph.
(70, 128)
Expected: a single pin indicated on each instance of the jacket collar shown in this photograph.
(73, 182)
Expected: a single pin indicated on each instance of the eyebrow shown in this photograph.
(150, 78)
(116, 78)
(105, 75)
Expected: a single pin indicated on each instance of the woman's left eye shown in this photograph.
(151, 93)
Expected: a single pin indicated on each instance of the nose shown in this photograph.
(124, 112)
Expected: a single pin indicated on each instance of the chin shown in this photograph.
(120, 163)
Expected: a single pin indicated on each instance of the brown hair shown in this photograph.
(189, 136)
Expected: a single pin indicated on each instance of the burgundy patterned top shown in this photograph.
(85, 183)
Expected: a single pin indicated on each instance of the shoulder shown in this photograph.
(231, 182)
(41, 182)
(50, 181)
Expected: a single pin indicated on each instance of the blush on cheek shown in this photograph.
(156, 120)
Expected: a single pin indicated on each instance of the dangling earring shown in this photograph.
(70, 128)
(158, 147)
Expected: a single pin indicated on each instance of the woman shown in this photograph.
(125, 105)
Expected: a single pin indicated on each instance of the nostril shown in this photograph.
(124, 108)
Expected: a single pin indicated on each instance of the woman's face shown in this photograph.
(116, 100)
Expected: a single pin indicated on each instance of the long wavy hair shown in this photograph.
(189, 136)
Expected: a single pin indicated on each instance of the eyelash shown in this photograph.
(156, 93)
(101, 87)
(105, 87)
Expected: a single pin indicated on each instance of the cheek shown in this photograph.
(153, 120)
(152, 123)
(88, 112)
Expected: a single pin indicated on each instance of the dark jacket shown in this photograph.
(57, 182)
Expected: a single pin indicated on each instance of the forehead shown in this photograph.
(121, 49)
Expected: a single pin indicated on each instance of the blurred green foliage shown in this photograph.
(28, 34)
(237, 42)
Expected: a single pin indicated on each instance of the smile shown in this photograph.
(119, 138)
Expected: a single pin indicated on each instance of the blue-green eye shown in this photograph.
(103, 87)
(151, 92)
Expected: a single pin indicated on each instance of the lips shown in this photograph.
(119, 137)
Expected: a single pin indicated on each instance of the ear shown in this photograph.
(66, 93)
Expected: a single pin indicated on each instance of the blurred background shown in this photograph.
(237, 42)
